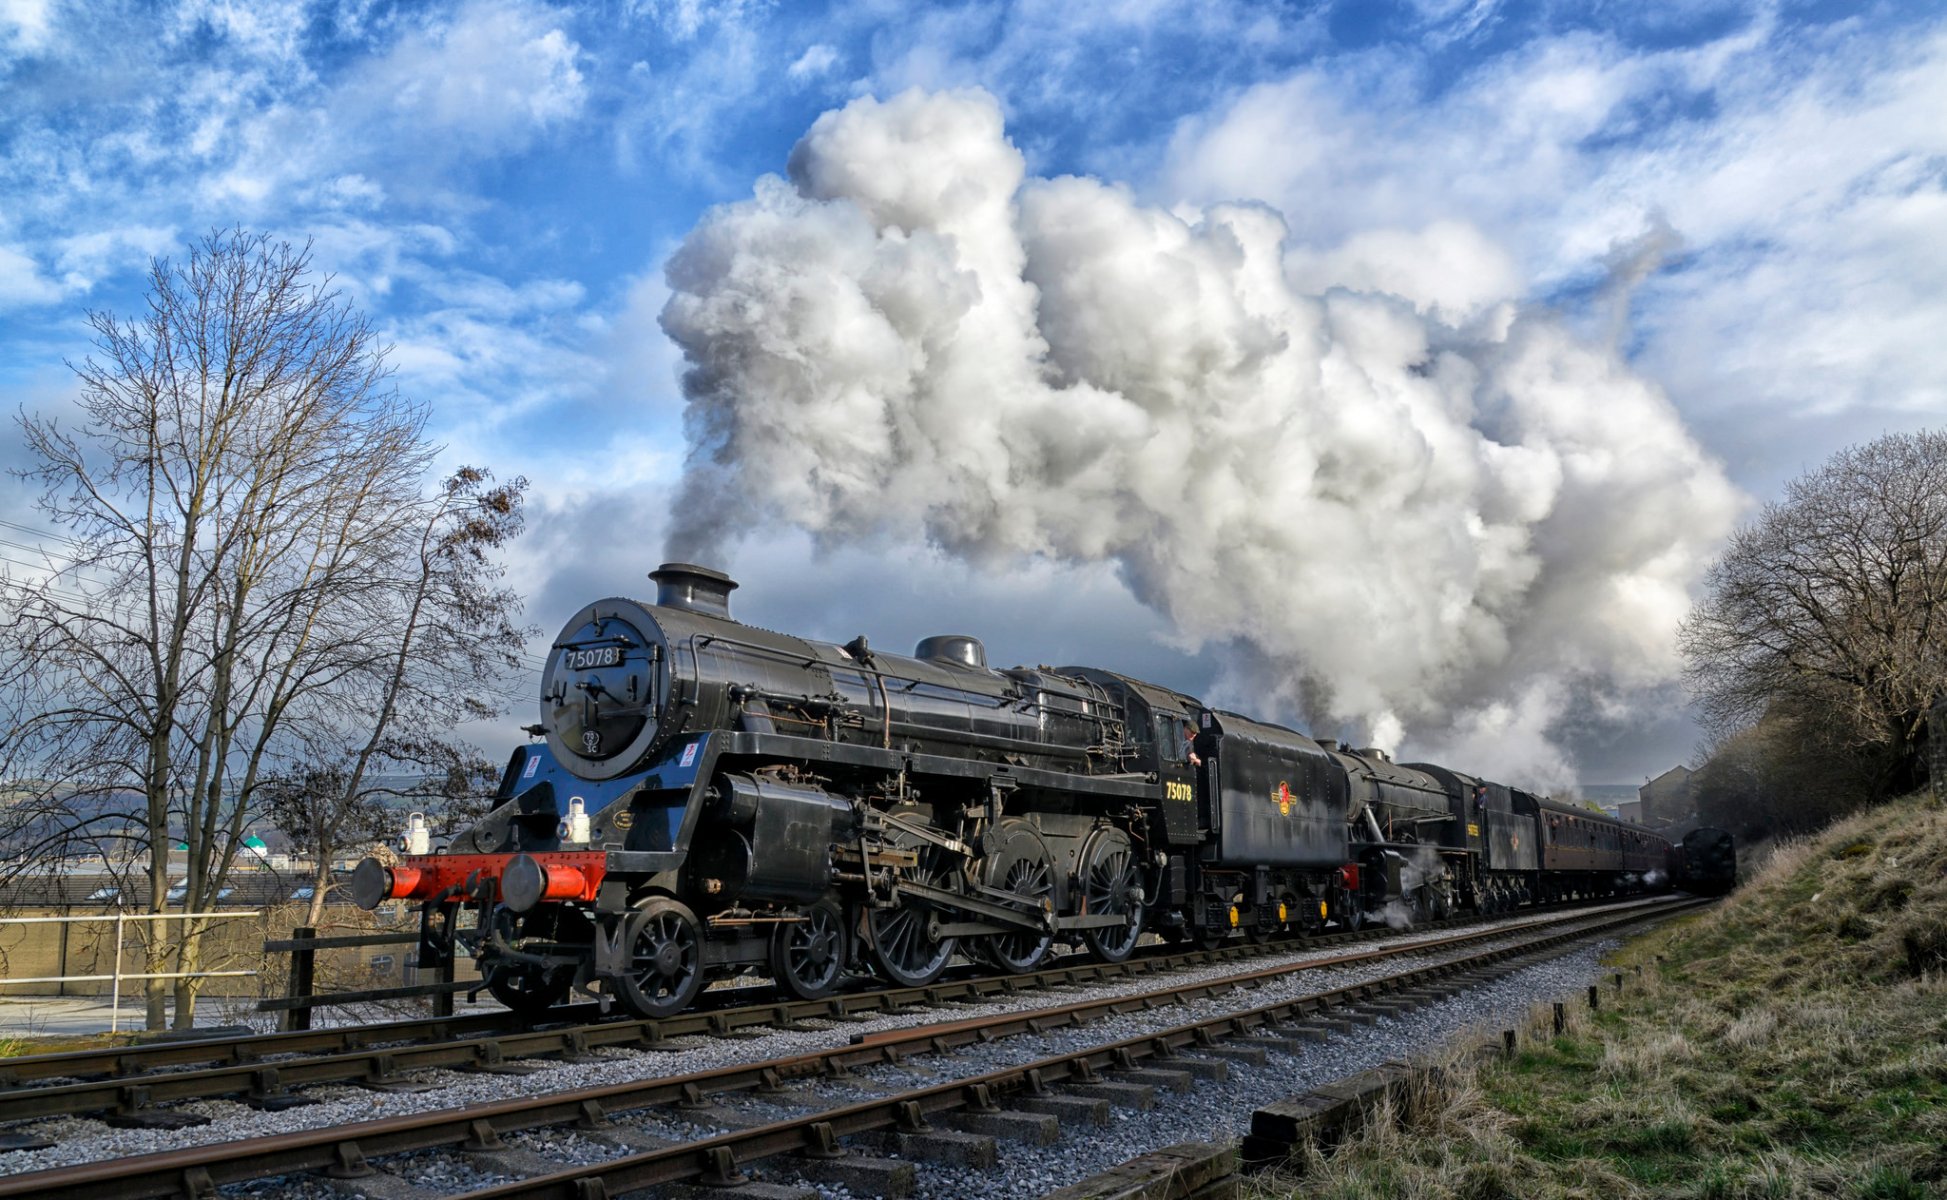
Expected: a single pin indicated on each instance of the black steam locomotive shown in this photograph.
(1706, 862)
(713, 797)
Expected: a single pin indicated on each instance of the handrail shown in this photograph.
(120, 919)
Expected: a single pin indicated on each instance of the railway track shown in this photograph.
(818, 1135)
(270, 1070)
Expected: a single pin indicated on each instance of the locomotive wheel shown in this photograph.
(665, 943)
(1111, 883)
(904, 945)
(1023, 866)
(808, 956)
(1417, 909)
(527, 990)
(1247, 920)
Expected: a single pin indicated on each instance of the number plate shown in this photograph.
(588, 660)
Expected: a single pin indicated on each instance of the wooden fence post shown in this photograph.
(303, 976)
(443, 1000)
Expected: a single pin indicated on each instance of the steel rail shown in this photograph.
(719, 1010)
(343, 1151)
(717, 1160)
(132, 1061)
(231, 1065)
(270, 1083)
(734, 1008)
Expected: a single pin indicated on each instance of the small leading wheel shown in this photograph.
(665, 944)
(808, 956)
(904, 939)
(1022, 865)
(1111, 884)
(527, 989)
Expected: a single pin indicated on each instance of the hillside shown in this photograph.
(1791, 1042)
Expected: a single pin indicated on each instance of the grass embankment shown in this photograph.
(1791, 1042)
(12, 1046)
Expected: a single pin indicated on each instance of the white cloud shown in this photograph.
(349, 191)
(494, 353)
(1802, 172)
(261, 29)
(685, 19)
(21, 283)
(489, 80)
(367, 257)
(813, 63)
(681, 107)
(84, 259)
(1085, 66)
(1447, 21)
(26, 26)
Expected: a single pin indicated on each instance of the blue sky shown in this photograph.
(499, 183)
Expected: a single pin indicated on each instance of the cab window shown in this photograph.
(1169, 737)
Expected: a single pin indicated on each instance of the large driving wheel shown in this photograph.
(665, 947)
(904, 939)
(808, 956)
(1111, 883)
(1347, 912)
(1022, 865)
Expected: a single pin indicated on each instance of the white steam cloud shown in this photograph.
(1418, 509)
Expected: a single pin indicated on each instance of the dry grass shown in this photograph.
(1790, 1043)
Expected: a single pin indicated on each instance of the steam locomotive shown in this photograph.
(1706, 862)
(712, 797)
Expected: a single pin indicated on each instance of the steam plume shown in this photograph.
(1443, 517)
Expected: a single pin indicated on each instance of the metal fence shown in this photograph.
(120, 920)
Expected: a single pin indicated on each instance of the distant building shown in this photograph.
(1665, 800)
(1607, 796)
(1630, 810)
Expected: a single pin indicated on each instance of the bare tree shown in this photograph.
(245, 497)
(449, 640)
(1828, 609)
(1791, 773)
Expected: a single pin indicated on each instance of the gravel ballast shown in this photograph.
(1220, 1111)
(1215, 1109)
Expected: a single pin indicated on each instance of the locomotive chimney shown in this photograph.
(693, 588)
